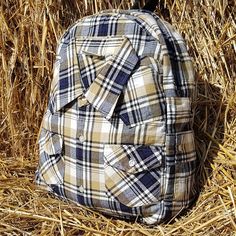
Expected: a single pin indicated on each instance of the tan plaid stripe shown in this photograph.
(117, 134)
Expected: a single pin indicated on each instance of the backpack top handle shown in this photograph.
(149, 5)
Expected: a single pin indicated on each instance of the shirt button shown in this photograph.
(131, 162)
(81, 189)
(81, 138)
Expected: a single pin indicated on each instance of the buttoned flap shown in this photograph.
(143, 98)
(51, 142)
(51, 163)
(132, 173)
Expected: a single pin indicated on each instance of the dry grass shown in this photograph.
(29, 31)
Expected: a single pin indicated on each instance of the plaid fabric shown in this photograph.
(117, 133)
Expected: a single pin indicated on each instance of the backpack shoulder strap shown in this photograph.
(149, 6)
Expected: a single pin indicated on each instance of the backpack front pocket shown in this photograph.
(132, 173)
(51, 163)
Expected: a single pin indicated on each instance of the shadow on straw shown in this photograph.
(209, 129)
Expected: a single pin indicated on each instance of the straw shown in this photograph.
(29, 33)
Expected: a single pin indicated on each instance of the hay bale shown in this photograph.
(29, 32)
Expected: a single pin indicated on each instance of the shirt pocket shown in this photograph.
(143, 99)
(132, 173)
(51, 163)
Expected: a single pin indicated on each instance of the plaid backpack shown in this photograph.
(117, 134)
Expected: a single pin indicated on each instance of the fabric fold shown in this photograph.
(105, 90)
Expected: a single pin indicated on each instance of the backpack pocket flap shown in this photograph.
(51, 163)
(132, 173)
(51, 142)
(133, 158)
